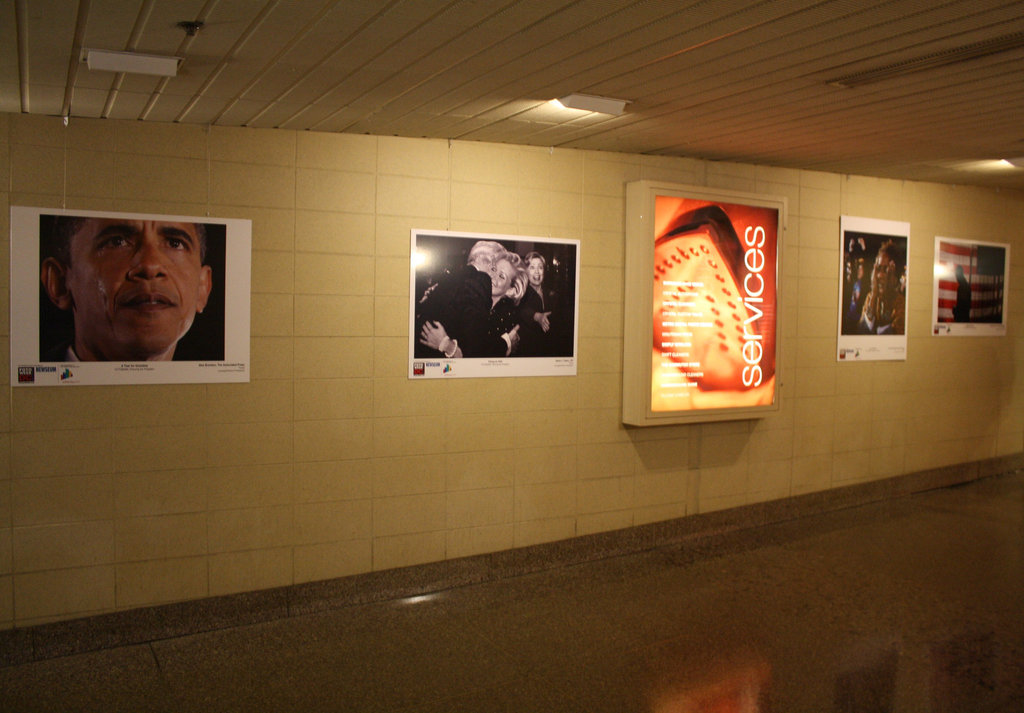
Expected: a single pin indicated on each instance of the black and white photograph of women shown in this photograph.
(492, 305)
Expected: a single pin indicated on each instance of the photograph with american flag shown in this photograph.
(970, 290)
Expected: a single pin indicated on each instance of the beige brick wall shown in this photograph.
(331, 462)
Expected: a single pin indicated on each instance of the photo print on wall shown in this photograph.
(104, 298)
(970, 292)
(485, 305)
(873, 298)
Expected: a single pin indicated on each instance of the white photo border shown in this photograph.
(27, 365)
(991, 288)
(434, 252)
(852, 345)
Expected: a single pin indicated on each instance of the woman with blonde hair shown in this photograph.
(508, 284)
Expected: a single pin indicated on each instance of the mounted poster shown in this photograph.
(873, 300)
(969, 296)
(700, 336)
(492, 305)
(128, 298)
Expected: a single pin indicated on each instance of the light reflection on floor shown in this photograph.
(910, 605)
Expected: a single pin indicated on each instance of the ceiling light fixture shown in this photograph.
(131, 62)
(1016, 162)
(590, 102)
(934, 60)
(191, 27)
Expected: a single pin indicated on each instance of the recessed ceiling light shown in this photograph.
(131, 62)
(590, 102)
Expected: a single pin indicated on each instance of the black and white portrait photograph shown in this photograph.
(492, 305)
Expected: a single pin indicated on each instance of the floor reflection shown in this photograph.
(963, 672)
(905, 606)
(866, 681)
(736, 683)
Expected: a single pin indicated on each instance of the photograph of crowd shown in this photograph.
(492, 297)
(874, 284)
(874, 288)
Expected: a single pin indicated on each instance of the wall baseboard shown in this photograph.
(142, 625)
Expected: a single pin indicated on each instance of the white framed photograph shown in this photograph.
(873, 299)
(105, 298)
(970, 293)
(485, 305)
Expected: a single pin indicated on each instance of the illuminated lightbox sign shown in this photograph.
(704, 265)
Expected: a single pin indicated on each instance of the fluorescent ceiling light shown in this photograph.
(933, 60)
(1018, 162)
(132, 62)
(589, 102)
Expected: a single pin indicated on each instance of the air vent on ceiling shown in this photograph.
(954, 55)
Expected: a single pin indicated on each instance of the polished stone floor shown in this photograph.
(915, 604)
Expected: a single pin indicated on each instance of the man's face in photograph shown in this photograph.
(134, 287)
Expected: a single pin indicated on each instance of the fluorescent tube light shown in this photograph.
(131, 62)
(933, 60)
(589, 102)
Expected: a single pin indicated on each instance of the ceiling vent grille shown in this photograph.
(955, 55)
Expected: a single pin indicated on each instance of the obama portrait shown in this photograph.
(132, 287)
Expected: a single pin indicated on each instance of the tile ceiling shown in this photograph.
(918, 89)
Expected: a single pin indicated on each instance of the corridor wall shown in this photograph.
(331, 462)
